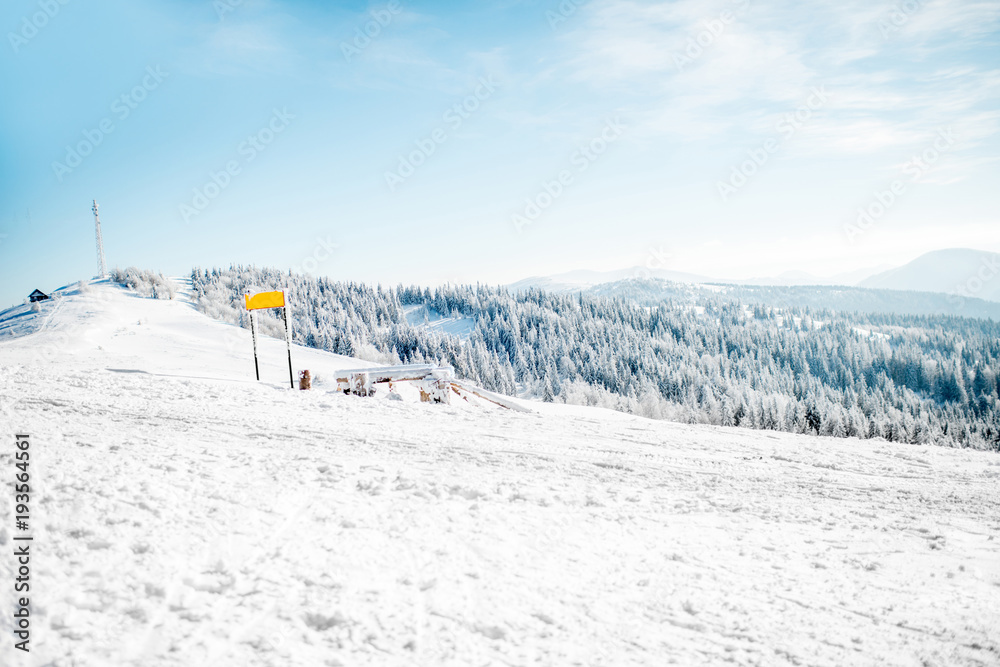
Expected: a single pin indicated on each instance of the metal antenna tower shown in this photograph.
(100, 245)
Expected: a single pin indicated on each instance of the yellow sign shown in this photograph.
(265, 300)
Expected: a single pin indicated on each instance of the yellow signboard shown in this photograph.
(270, 300)
(265, 300)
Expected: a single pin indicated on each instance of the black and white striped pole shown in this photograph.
(253, 333)
(288, 342)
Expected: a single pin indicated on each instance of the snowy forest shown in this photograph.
(905, 378)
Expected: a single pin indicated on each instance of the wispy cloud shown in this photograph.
(754, 62)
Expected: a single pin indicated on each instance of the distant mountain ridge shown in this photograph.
(572, 281)
(957, 282)
(960, 271)
(649, 293)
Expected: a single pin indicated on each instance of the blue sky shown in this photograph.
(729, 138)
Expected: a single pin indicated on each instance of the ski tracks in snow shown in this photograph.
(189, 522)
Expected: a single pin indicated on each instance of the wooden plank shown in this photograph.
(502, 401)
(408, 373)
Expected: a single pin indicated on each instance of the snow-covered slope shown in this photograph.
(184, 514)
(422, 316)
(969, 273)
(108, 327)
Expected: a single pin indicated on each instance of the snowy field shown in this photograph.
(184, 514)
(460, 327)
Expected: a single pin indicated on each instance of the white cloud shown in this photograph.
(762, 64)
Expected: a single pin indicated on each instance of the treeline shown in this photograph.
(651, 292)
(147, 283)
(917, 379)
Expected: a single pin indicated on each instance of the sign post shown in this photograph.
(265, 300)
(253, 332)
(288, 344)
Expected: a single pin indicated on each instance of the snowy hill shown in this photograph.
(886, 293)
(150, 337)
(840, 299)
(581, 280)
(430, 319)
(573, 281)
(968, 273)
(184, 514)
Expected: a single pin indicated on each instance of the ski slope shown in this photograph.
(184, 514)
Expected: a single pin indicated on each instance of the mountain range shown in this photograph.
(967, 273)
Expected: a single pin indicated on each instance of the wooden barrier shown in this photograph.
(436, 384)
(503, 401)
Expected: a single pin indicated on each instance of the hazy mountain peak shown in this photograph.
(963, 271)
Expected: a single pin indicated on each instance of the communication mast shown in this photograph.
(100, 245)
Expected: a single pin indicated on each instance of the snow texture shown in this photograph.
(422, 316)
(185, 514)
